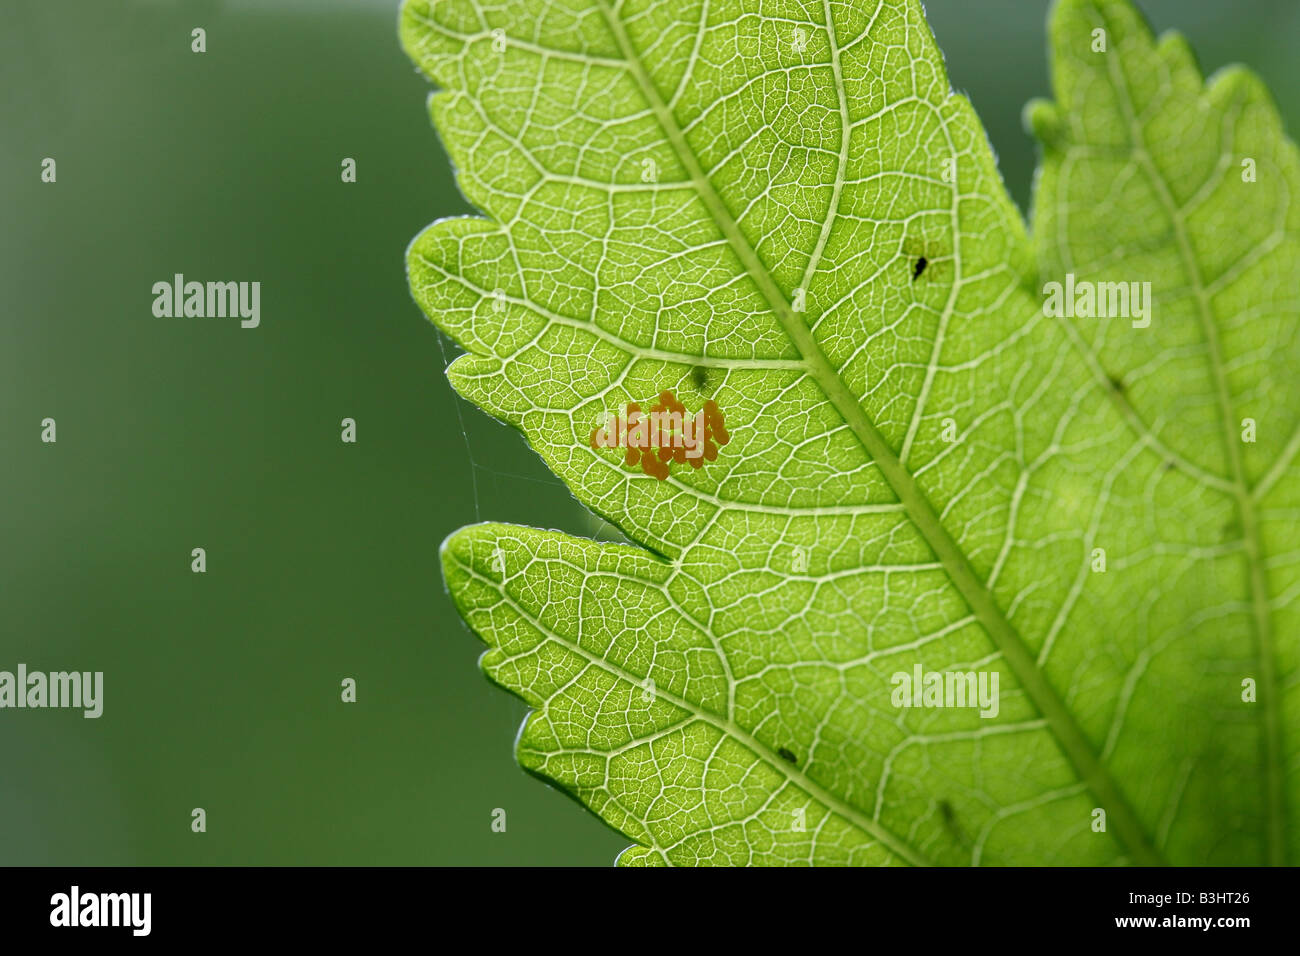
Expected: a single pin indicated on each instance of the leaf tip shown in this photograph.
(637, 855)
(1042, 119)
(468, 553)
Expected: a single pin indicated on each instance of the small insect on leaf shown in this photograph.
(785, 754)
(921, 263)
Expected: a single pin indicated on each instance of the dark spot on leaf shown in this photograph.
(950, 822)
(700, 377)
(1169, 466)
(785, 754)
(921, 263)
(945, 808)
(1116, 383)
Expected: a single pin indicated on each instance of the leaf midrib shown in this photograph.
(1069, 736)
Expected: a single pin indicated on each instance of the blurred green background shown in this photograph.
(222, 690)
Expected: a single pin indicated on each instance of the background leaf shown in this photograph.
(1149, 174)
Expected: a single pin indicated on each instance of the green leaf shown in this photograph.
(732, 201)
